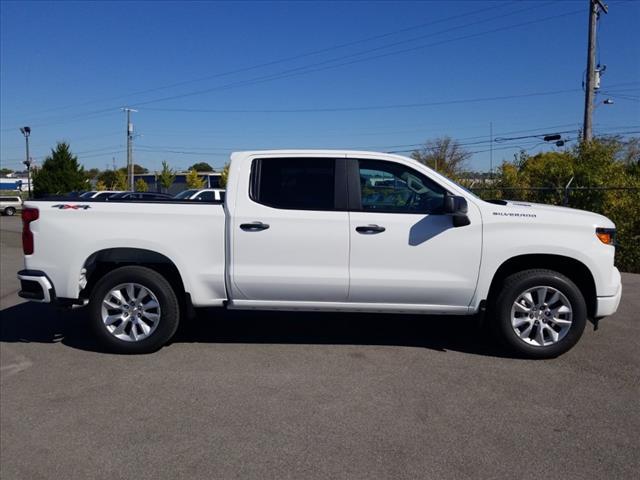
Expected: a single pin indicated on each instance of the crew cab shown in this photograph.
(336, 231)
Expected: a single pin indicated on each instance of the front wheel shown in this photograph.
(10, 211)
(134, 310)
(539, 313)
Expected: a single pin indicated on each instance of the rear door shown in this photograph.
(404, 250)
(290, 237)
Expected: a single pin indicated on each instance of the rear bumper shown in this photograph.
(36, 286)
(609, 305)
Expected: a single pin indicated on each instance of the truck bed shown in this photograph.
(187, 233)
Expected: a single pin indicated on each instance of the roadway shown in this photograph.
(311, 396)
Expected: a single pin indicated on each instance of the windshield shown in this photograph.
(467, 190)
(457, 184)
(87, 194)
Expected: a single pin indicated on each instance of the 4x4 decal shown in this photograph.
(69, 206)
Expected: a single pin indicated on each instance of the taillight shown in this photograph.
(28, 216)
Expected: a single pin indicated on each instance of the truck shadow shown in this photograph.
(32, 322)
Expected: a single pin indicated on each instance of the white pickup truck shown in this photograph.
(325, 230)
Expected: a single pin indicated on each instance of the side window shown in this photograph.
(395, 188)
(294, 183)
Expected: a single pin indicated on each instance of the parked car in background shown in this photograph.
(99, 194)
(9, 204)
(139, 196)
(204, 195)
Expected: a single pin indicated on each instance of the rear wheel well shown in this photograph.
(575, 270)
(104, 261)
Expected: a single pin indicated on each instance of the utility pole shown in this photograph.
(129, 148)
(490, 149)
(595, 6)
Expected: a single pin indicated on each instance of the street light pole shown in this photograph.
(26, 131)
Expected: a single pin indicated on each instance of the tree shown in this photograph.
(5, 171)
(137, 169)
(120, 182)
(201, 167)
(92, 173)
(593, 166)
(108, 178)
(194, 180)
(114, 179)
(141, 186)
(60, 173)
(167, 175)
(100, 186)
(444, 155)
(224, 176)
(630, 153)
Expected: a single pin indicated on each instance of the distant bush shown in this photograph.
(594, 167)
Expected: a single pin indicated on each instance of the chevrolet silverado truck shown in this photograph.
(335, 231)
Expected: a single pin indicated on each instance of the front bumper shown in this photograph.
(606, 306)
(36, 286)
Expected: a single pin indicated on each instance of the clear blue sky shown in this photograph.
(67, 68)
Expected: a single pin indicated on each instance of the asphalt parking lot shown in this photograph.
(311, 396)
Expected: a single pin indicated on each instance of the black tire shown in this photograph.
(10, 211)
(166, 297)
(518, 283)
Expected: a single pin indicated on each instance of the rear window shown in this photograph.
(294, 183)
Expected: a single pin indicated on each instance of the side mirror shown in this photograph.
(457, 207)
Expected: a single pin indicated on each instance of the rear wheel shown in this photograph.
(134, 310)
(539, 313)
(10, 211)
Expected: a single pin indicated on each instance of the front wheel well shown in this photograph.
(575, 270)
(104, 261)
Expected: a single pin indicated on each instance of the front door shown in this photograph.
(290, 243)
(404, 250)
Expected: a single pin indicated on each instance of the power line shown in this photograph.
(296, 71)
(369, 107)
(69, 140)
(308, 68)
(287, 59)
(105, 112)
(541, 131)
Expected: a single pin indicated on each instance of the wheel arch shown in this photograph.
(575, 270)
(104, 261)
